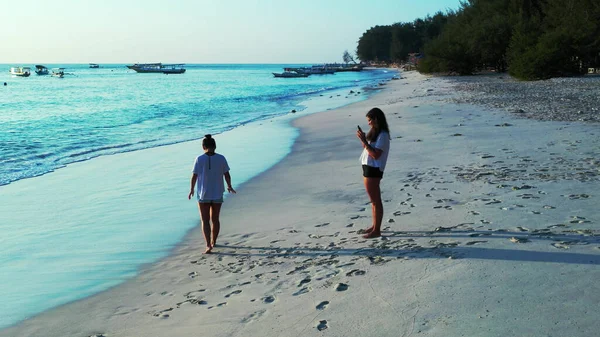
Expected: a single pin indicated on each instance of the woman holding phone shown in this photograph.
(376, 147)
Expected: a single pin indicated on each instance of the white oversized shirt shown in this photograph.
(210, 171)
(383, 143)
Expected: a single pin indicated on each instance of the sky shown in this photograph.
(196, 31)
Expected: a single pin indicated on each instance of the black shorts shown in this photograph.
(372, 172)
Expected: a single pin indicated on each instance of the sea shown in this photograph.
(48, 123)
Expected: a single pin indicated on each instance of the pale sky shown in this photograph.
(195, 31)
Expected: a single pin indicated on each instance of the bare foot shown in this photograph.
(208, 250)
(372, 235)
(365, 231)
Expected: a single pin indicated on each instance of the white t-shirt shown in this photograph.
(383, 143)
(210, 170)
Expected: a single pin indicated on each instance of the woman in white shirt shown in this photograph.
(376, 147)
(207, 175)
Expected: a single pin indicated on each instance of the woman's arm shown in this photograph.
(228, 181)
(373, 152)
(192, 185)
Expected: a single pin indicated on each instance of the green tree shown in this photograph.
(374, 44)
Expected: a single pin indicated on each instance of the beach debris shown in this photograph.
(470, 243)
(524, 187)
(518, 240)
(561, 245)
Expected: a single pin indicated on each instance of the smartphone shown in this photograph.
(359, 129)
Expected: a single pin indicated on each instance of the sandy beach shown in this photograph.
(490, 229)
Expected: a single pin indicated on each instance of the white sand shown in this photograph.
(515, 257)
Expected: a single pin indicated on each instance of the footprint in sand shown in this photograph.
(322, 305)
(355, 272)
(268, 299)
(233, 293)
(161, 314)
(304, 281)
(341, 287)
(322, 225)
(253, 316)
(301, 291)
(190, 294)
(322, 325)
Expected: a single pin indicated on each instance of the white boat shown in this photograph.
(158, 68)
(314, 70)
(94, 65)
(58, 72)
(20, 71)
(290, 74)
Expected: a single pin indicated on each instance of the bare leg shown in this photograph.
(205, 217)
(374, 192)
(216, 224)
(370, 229)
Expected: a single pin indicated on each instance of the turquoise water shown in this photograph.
(48, 122)
(55, 250)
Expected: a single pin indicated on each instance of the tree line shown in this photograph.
(531, 39)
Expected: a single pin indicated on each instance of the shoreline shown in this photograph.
(289, 261)
(74, 181)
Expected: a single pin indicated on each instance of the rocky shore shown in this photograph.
(557, 99)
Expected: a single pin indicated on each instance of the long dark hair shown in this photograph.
(209, 142)
(381, 123)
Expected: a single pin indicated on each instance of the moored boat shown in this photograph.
(313, 70)
(158, 68)
(291, 74)
(20, 71)
(58, 72)
(41, 70)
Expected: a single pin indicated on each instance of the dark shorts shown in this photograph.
(211, 201)
(372, 172)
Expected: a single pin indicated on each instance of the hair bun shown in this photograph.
(208, 136)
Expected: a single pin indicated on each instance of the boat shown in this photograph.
(313, 70)
(158, 68)
(41, 70)
(291, 74)
(20, 71)
(58, 72)
(94, 65)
